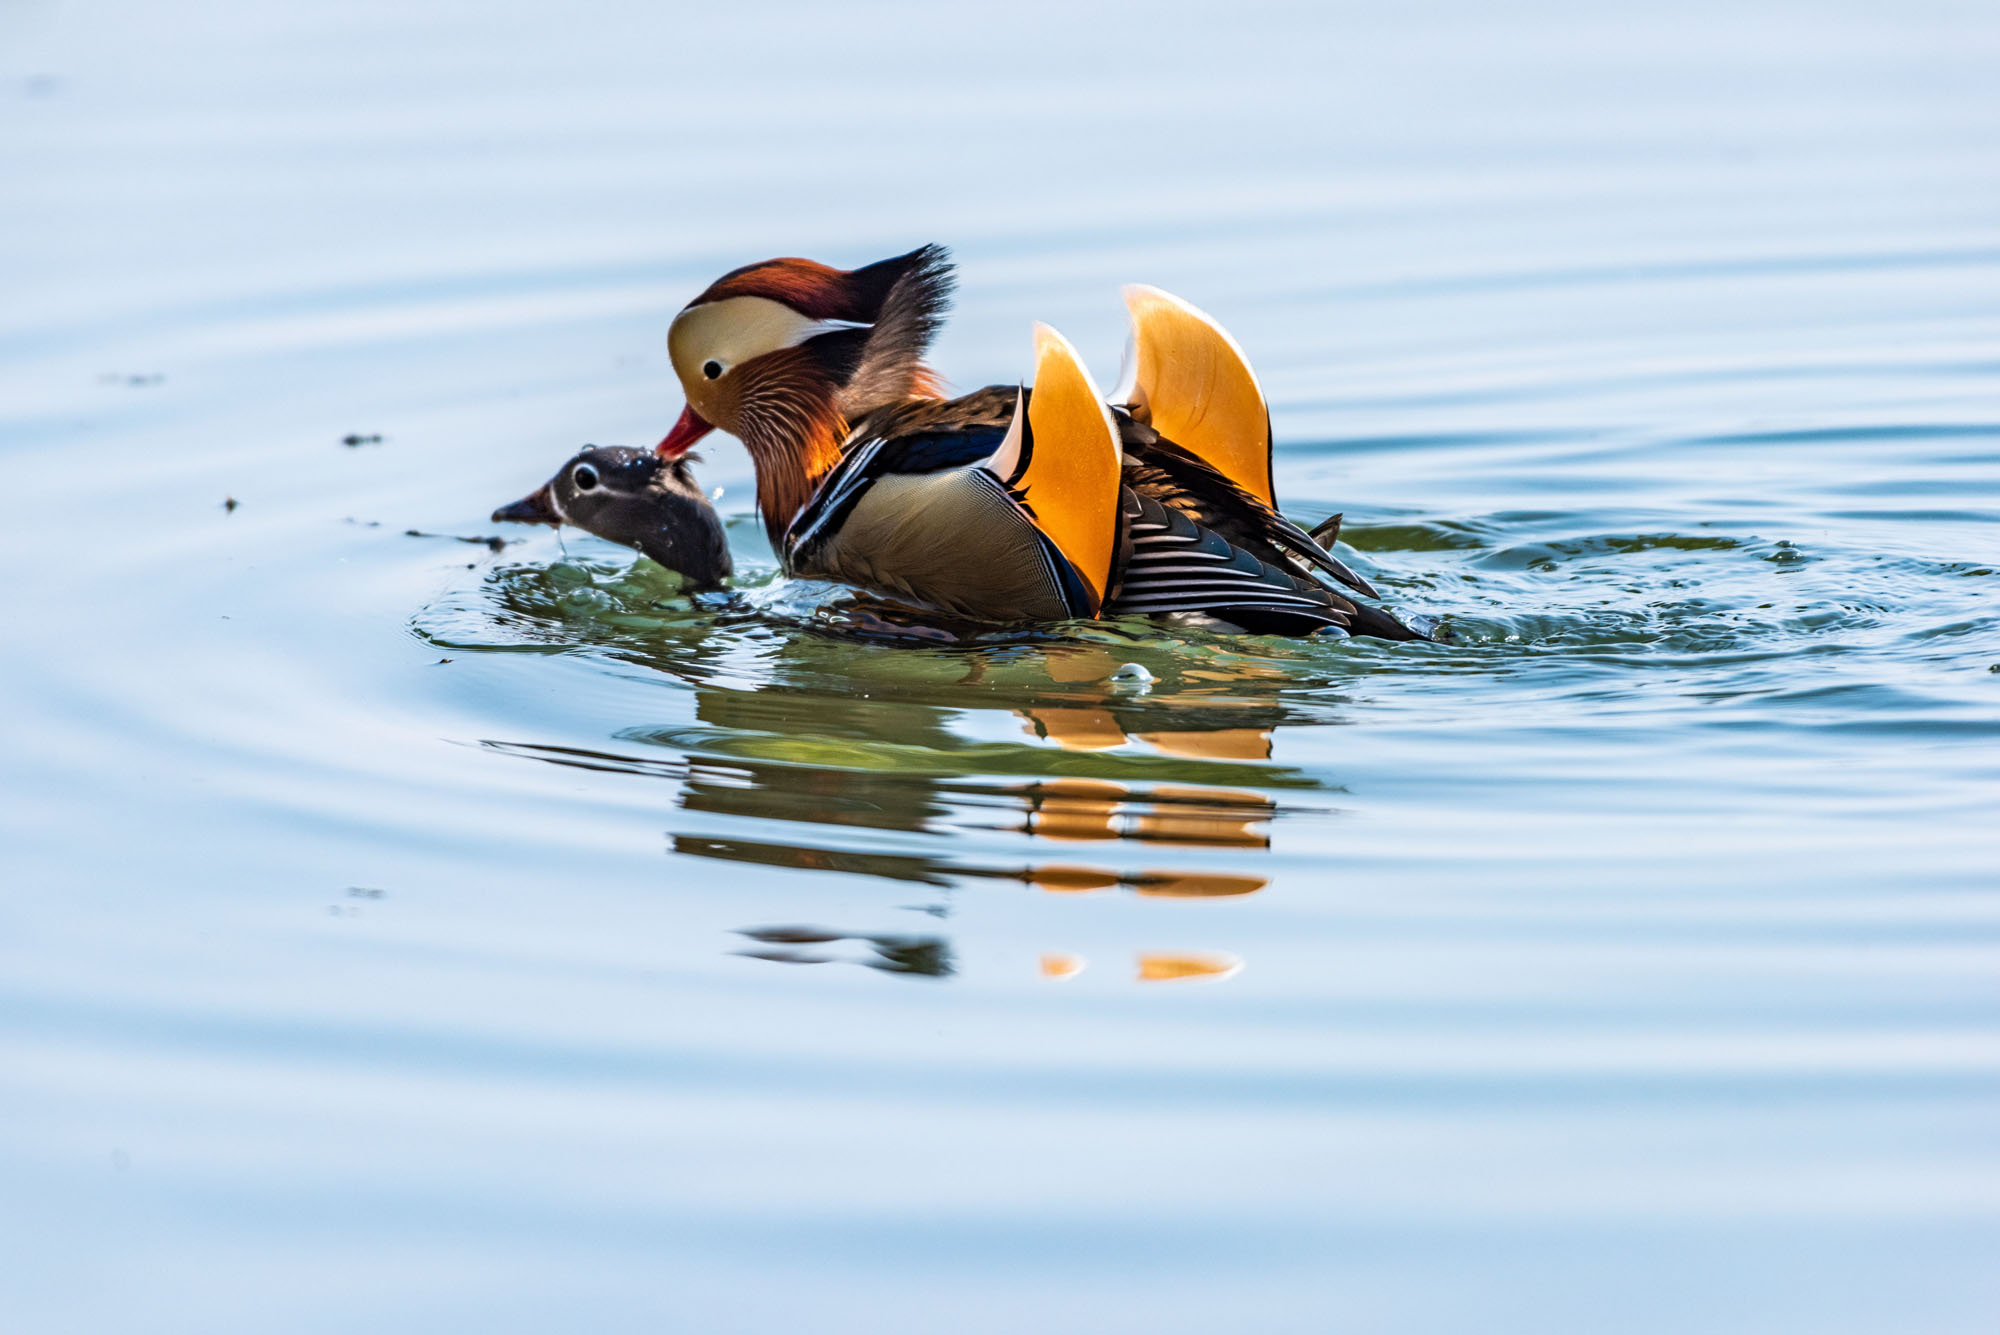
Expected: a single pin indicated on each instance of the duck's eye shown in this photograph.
(585, 477)
(712, 370)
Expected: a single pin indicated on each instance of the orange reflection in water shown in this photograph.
(1181, 968)
(1098, 809)
(948, 830)
(1059, 965)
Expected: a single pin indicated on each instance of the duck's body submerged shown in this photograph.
(1005, 505)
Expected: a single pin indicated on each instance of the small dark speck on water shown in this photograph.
(354, 439)
(441, 662)
(368, 891)
(229, 504)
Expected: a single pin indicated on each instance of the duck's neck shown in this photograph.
(795, 421)
(792, 459)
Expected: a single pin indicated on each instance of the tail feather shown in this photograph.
(1193, 385)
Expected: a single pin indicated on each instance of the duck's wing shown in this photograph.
(1186, 378)
(1190, 387)
(1174, 565)
(1164, 471)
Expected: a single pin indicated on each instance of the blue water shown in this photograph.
(400, 935)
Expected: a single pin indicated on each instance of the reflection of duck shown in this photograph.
(945, 873)
(1004, 505)
(943, 811)
(1048, 810)
(931, 957)
(1152, 966)
(925, 956)
(932, 795)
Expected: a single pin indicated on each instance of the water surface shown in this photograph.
(401, 934)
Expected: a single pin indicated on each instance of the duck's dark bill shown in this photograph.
(538, 507)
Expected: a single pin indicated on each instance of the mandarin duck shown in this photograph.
(1009, 504)
(639, 499)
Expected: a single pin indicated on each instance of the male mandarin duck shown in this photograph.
(1007, 504)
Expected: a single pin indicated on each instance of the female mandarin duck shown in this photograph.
(1008, 504)
(636, 498)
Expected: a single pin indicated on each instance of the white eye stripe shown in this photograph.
(814, 328)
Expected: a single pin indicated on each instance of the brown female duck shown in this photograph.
(1008, 504)
(637, 498)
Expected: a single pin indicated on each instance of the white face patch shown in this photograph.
(735, 330)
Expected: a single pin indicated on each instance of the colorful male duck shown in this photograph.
(1006, 505)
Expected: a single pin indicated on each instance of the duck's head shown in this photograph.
(637, 499)
(784, 353)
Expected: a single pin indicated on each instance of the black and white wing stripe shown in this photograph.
(1174, 565)
(835, 497)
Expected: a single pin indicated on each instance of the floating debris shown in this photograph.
(229, 504)
(355, 439)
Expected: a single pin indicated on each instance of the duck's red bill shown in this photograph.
(689, 429)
